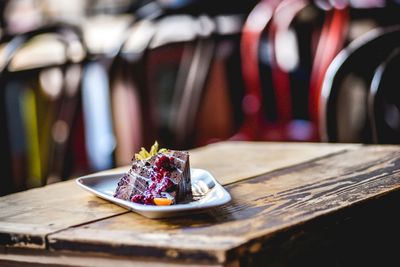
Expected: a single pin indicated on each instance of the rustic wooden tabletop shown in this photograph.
(288, 200)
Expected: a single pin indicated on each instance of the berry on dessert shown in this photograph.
(159, 177)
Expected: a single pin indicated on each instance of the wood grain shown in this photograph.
(364, 234)
(43, 258)
(27, 217)
(261, 208)
(230, 162)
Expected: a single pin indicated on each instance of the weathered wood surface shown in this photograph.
(45, 258)
(262, 207)
(26, 218)
(230, 162)
(63, 219)
(364, 234)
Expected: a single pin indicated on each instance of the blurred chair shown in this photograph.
(38, 102)
(252, 103)
(278, 69)
(331, 41)
(168, 77)
(344, 112)
(287, 47)
(284, 59)
(384, 102)
(219, 110)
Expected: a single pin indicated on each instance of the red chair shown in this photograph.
(330, 43)
(275, 19)
(279, 34)
(257, 22)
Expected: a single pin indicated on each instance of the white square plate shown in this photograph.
(207, 193)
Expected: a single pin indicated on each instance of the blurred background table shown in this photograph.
(293, 204)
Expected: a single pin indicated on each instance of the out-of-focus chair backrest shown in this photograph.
(287, 47)
(39, 81)
(384, 101)
(344, 113)
(162, 75)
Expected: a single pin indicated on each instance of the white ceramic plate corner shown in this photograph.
(207, 193)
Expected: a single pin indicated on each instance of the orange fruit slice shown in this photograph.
(162, 201)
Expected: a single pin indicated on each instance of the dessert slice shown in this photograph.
(157, 178)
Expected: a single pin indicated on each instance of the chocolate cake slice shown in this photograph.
(160, 179)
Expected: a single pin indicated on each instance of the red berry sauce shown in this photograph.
(160, 181)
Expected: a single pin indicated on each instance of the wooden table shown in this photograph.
(293, 204)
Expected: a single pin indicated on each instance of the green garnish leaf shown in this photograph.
(144, 154)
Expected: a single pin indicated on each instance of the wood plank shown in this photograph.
(27, 217)
(230, 162)
(364, 234)
(43, 258)
(261, 208)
